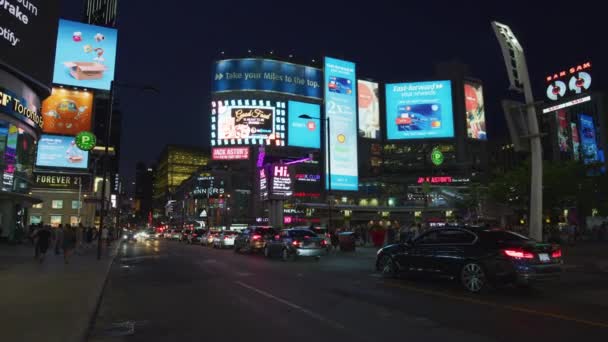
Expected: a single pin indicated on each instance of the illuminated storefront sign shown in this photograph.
(576, 79)
(59, 181)
(567, 104)
(10, 103)
(571, 71)
(303, 177)
(442, 180)
(230, 153)
(307, 194)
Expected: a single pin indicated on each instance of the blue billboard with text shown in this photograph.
(304, 124)
(588, 139)
(258, 74)
(60, 151)
(420, 110)
(341, 138)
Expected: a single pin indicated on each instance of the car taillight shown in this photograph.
(518, 254)
(296, 243)
(225, 238)
(556, 254)
(323, 243)
(256, 237)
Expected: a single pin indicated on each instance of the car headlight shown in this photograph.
(124, 237)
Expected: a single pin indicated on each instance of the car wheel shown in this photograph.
(473, 277)
(267, 252)
(387, 267)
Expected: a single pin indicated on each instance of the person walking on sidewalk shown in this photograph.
(69, 243)
(58, 239)
(89, 236)
(43, 240)
(34, 236)
(105, 235)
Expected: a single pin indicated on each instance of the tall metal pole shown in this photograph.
(79, 199)
(329, 205)
(105, 168)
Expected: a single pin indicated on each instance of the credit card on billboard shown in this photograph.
(340, 85)
(418, 117)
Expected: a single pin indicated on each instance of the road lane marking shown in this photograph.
(499, 306)
(157, 256)
(292, 305)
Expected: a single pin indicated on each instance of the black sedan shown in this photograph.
(476, 257)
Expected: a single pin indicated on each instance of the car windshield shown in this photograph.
(302, 233)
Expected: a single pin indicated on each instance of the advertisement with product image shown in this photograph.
(576, 141)
(588, 140)
(419, 110)
(67, 112)
(60, 151)
(369, 109)
(304, 132)
(563, 136)
(85, 55)
(341, 110)
(475, 111)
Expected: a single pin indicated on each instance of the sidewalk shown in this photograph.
(51, 301)
(589, 255)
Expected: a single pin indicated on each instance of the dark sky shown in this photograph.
(172, 44)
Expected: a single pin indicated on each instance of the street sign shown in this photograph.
(437, 157)
(203, 213)
(86, 141)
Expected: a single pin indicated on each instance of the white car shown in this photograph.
(224, 239)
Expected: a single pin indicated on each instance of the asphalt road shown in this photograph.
(168, 291)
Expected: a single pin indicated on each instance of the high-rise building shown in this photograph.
(101, 12)
(175, 164)
(144, 185)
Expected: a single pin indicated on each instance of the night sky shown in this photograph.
(172, 44)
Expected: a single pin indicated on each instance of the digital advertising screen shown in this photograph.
(60, 151)
(475, 111)
(67, 112)
(259, 74)
(341, 110)
(27, 36)
(304, 132)
(420, 110)
(85, 55)
(281, 182)
(563, 135)
(588, 140)
(576, 142)
(248, 122)
(369, 109)
(230, 153)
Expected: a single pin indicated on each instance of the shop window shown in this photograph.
(35, 219)
(37, 206)
(55, 221)
(76, 205)
(74, 221)
(57, 204)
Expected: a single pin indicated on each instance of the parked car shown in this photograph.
(183, 237)
(476, 257)
(296, 242)
(195, 236)
(225, 239)
(253, 239)
(207, 239)
(323, 233)
(176, 233)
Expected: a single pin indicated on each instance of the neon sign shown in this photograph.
(570, 71)
(307, 194)
(302, 177)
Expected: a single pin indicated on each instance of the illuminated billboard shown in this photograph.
(281, 182)
(258, 74)
(369, 109)
(248, 122)
(67, 112)
(85, 55)
(27, 36)
(588, 140)
(304, 132)
(230, 153)
(475, 111)
(60, 151)
(576, 141)
(563, 136)
(420, 110)
(341, 110)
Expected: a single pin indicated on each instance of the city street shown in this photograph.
(169, 291)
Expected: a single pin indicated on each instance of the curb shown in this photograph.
(87, 331)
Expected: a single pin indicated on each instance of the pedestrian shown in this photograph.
(89, 236)
(334, 240)
(35, 241)
(43, 240)
(59, 231)
(105, 233)
(68, 243)
(390, 235)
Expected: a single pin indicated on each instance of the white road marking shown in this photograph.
(157, 256)
(292, 305)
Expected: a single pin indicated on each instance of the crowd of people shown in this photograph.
(65, 239)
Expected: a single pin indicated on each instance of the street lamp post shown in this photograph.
(102, 213)
(328, 161)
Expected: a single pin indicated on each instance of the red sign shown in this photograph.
(571, 71)
(230, 153)
(307, 194)
(435, 180)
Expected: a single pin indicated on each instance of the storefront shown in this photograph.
(20, 127)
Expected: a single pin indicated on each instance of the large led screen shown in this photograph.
(60, 151)
(588, 140)
(341, 110)
(67, 112)
(369, 109)
(248, 122)
(475, 111)
(304, 132)
(27, 36)
(563, 136)
(85, 55)
(420, 110)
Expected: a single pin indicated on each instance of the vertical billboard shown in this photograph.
(369, 109)
(67, 112)
(576, 141)
(304, 120)
(475, 111)
(85, 55)
(60, 151)
(341, 112)
(420, 110)
(587, 137)
(563, 136)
